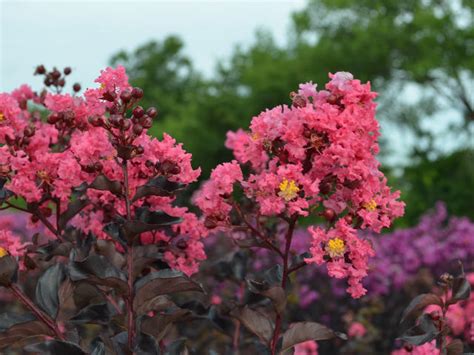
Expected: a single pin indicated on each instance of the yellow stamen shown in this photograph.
(43, 175)
(335, 247)
(288, 190)
(102, 85)
(370, 206)
(2, 117)
(3, 252)
(254, 136)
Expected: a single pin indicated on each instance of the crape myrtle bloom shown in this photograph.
(316, 156)
(47, 161)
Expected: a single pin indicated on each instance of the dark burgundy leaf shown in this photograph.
(20, 331)
(461, 289)
(97, 269)
(54, 347)
(275, 293)
(97, 347)
(425, 331)
(146, 345)
(256, 322)
(163, 282)
(456, 347)
(55, 248)
(177, 347)
(103, 183)
(67, 306)
(156, 304)
(119, 342)
(115, 231)
(419, 303)
(158, 325)
(94, 314)
(8, 320)
(73, 209)
(304, 331)
(159, 186)
(8, 270)
(108, 249)
(47, 289)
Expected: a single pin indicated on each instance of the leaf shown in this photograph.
(163, 282)
(419, 303)
(55, 248)
(98, 270)
(158, 325)
(47, 289)
(103, 183)
(134, 228)
(98, 347)
(275, 293)
(146, 345)
(73, 209)
(156, 304)
(107, 248)
(304, 331)
(67, 306)
(115, 231)
(120, 345)
(19, 331)
(461, 289)
(159, 186)
(456, 347)
(256, 322)
(93, 314)
(8, 320)
(177, 347)
(8, 270)
(425, 331)
(55, 347)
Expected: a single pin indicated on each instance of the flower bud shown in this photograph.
(40, 69)
(137, 129)
(29, 131)
(76, 87)
(67, 70)
(126, 96)
(138, 112)
(329, 214)
(137, 93)
(152, 112)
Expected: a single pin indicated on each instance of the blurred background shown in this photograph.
(209, 66)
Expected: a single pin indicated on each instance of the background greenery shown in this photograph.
(403, 47)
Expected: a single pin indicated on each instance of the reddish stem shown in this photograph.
(131, 291)
(38, 312)
(279, 316)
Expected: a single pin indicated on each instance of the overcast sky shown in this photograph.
(84, 34)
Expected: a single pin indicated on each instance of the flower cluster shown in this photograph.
(315, 156)
(88, 141)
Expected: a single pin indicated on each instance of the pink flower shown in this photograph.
(425, 349)
(356, 330)
(309, 347)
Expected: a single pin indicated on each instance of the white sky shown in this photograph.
(84, 34)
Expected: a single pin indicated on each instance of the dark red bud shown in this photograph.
(137, 93)
(139, 150)
(126, 125)
(61, 82)
(76, 87)
(210, 223)
(329, 214)
(126, 96)
(109, 96)
(55, 74)
(182, 244)
(53, 118)
(348, 218)
(29, 131)
(332, 99)
(137, 129)
(152, 112)
(67, 70)
(138, 112)
(147, 122)
(40, 69)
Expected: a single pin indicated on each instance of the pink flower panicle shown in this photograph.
(44, 162)
(317, 154)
